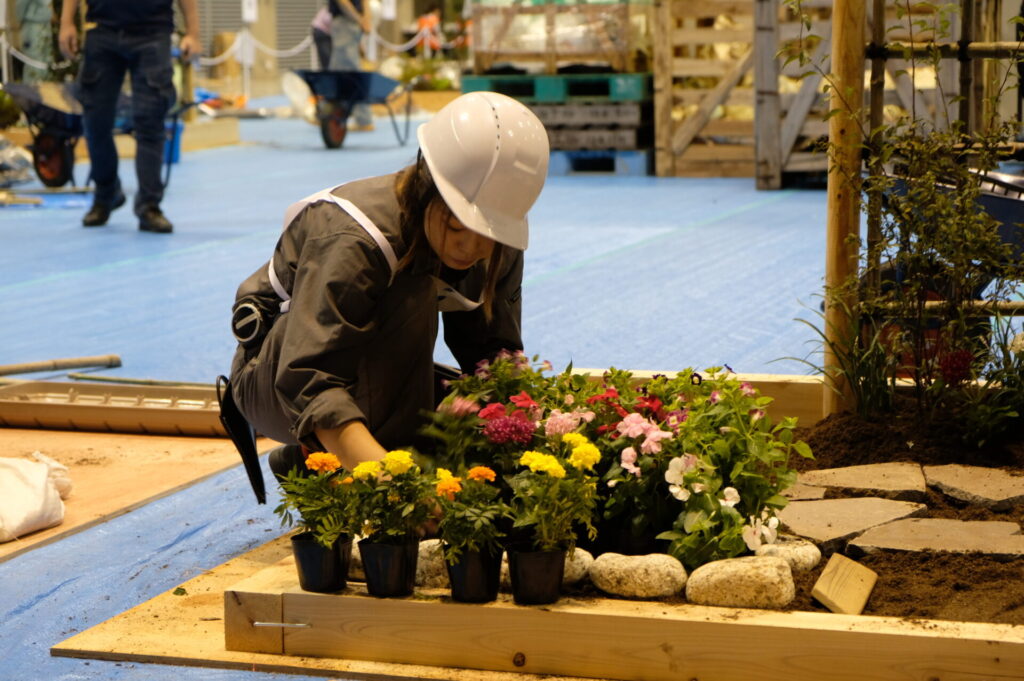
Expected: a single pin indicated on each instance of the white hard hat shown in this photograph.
(488, 155)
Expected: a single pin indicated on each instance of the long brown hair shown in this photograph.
(415, 190)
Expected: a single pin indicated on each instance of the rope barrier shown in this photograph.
(225, 55)
(282, 54)
(31, 61)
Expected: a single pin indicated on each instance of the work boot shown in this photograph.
(285, 458)
(152, 219)
(100, 212)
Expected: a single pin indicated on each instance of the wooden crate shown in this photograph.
(727, 105)
(551, 32)
(608, 639)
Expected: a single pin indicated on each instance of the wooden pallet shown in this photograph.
(600, 161)
(565, 88)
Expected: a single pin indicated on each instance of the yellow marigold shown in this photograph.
(575, 439)
(481, 473)
(444, 474)
(366, 470)
(398, 461)
(322, 462)
(528, 457)
(348, 481)
(584, 456)
(449, 487)
(545, 463)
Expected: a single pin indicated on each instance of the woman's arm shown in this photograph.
(352, 443)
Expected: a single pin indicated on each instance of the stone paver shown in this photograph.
(831, 522)
(996, 538)
(900, 481)
(800, 491)
(989, 487)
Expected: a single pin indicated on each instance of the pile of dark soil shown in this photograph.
(962, 587)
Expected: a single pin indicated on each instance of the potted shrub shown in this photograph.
(319, 500)
(393, 498)
(472, 513)
(551, 496)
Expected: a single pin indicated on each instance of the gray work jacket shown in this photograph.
(356, 338)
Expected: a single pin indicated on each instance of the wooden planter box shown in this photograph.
(609, 639)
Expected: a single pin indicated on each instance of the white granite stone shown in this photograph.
(801, 554)
(431, 572)
(653, 576)
(749, 582)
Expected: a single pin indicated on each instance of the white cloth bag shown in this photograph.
(29, 497)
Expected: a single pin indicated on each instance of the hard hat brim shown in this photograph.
(470, 215)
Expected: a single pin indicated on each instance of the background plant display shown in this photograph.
(692, 458)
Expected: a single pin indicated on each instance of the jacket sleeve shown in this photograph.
(471, 337)
(338, 278)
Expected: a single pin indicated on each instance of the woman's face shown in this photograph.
(457, 246)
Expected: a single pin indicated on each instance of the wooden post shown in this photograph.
(664, 98)
(847, 96)
(767, 122)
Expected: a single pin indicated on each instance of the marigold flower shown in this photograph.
(322, 462)
(449, 487)
(584, 456)
(543, 463)
(347, 481)
(366, 470)
(444, 474)
(575, 439)
(398, 461)
(481, 473)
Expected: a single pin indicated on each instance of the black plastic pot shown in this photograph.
(390, 569)
(476, 577)
(321, 569)
(536, 575)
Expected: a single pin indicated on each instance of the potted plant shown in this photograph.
(551, 495)
(471, 515)
(319, 500)
(394, 499)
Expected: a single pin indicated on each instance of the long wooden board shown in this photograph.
(113, 473)
(598, 638)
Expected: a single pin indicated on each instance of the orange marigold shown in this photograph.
(481, 473)
(322, 462)
(449, 487)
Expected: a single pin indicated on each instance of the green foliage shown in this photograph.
(472, 511)
(9, 111)
(320, 502)
(393, 498)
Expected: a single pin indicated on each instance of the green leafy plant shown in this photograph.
(319, 499)
(553, 494)
(393, 498)
(471, 512)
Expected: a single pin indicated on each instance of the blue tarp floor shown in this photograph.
(631, 272)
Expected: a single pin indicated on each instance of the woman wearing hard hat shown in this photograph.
(336, 332)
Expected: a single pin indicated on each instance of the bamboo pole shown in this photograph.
(61, 364)
(846, 99)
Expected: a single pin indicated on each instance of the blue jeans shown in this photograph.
(108, 54)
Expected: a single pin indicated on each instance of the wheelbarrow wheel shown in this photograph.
(53, 157)
(333, 130)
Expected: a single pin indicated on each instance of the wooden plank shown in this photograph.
(768, 152)
(685, 168)
(686, 67)
(805, 99)
(663, 89)
(704, 9)
(711, 36)
(114, 473)
(693, 124)
(251, 609)
(844, 585)
(738, 96)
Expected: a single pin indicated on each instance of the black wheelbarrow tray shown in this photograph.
(338, 91)
(54, 117)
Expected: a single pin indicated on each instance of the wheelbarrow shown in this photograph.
(337, 92)
(54, 117)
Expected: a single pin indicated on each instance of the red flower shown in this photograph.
(493, 410)
(609, 394)
(523, 401)
(955, 366)
(653, 404)
(516, 427)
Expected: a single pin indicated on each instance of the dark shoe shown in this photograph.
(100, 212)
(151, 219)
(286, 458)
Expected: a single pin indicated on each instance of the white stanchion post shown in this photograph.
(247, 56)
(5, 55)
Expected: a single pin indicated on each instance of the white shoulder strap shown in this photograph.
(359, 216)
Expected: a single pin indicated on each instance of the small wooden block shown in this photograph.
(844, 585)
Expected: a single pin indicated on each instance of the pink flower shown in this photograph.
(569, 399)
(516, 428)
(546, 366)
(559, 423)
(460, 406)
(491, 411)
(747, 390)
(635, 425)
(715, 397)
(628, 461)
(652, 443)
(483, 369)
(676, 418)
(523, 400)
(756, 414)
